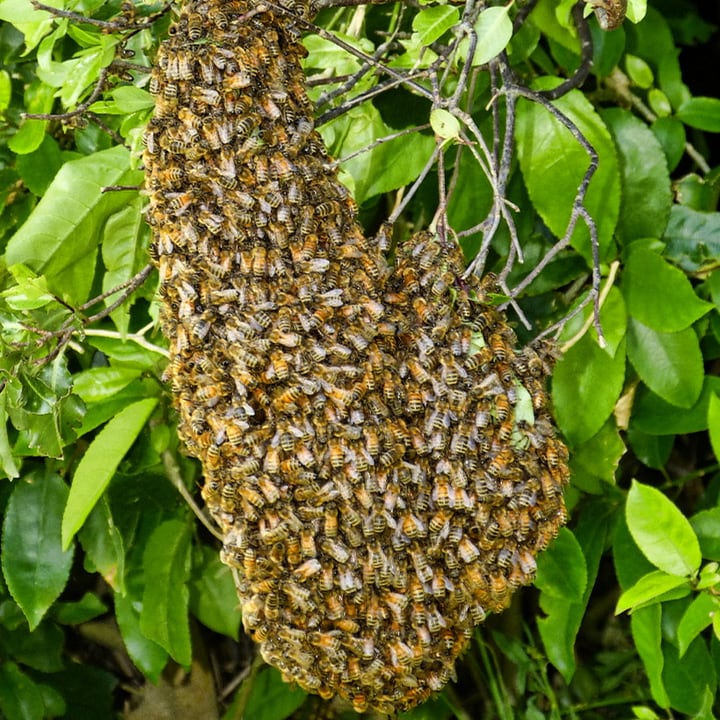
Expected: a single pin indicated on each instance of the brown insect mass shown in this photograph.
(378, 455)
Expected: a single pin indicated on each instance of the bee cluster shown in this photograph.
(380, 458)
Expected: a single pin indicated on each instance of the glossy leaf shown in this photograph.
(494, 30)
(376, 171)
(100, 383)
(433, 22)
(714, 423)
(596, 460)
(164, 617)
(124, 253)
(695, 619)
(586, 376)
(59, 240)
(561, 570)
(693, 238)
(702, 113)
(553, 164)
(649, 589)
(658, 294)
(98, 464)
(35, 566)
(706, 525)
(444, 124)
(646, 195)
(647, 636)
(271, 698)
(661, 531)
(670, 364)
(653, 415)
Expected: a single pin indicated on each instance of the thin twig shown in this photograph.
(172, 471)
(609, 282)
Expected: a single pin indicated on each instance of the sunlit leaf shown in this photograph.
(554, 163)
(60, 238)
(661, 531)
(98, 464)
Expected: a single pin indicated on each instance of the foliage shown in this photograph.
(100, 548)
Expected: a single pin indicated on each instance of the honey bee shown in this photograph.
(194, 26)
(335, 549)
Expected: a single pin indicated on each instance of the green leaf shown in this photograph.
(630, 564)
(7, 461)
(39, 99)
(19, 696)
(639, 71)
(376, 171)
(100, 383)
(613, 318)
(661, 531)
(647, 636)
(35, 566)
(658, 294)
(649, 589)
(714, 423)
(433, 22)
(104, 546)
(693, 238)
(586, 377)
(636, 10)
(124, 253)
(271, 698)
(38, 168)
(146, 654)
(646, 194)
(59, 239)
(670, 364)
(561, 569)
(597, 458)
(98, 465)
(74, 613)
(494, 30)
(695, 619)
(702, 113)
(653, 415)
(670, 132)
(126, 99)
(5, 90)
(560, 628)
(687, 680)
(213, 597)
(444, 124)
(706, 525)
(164, 617)
(553, 165)
(651, 450)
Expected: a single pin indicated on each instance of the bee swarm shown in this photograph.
(379, 457)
